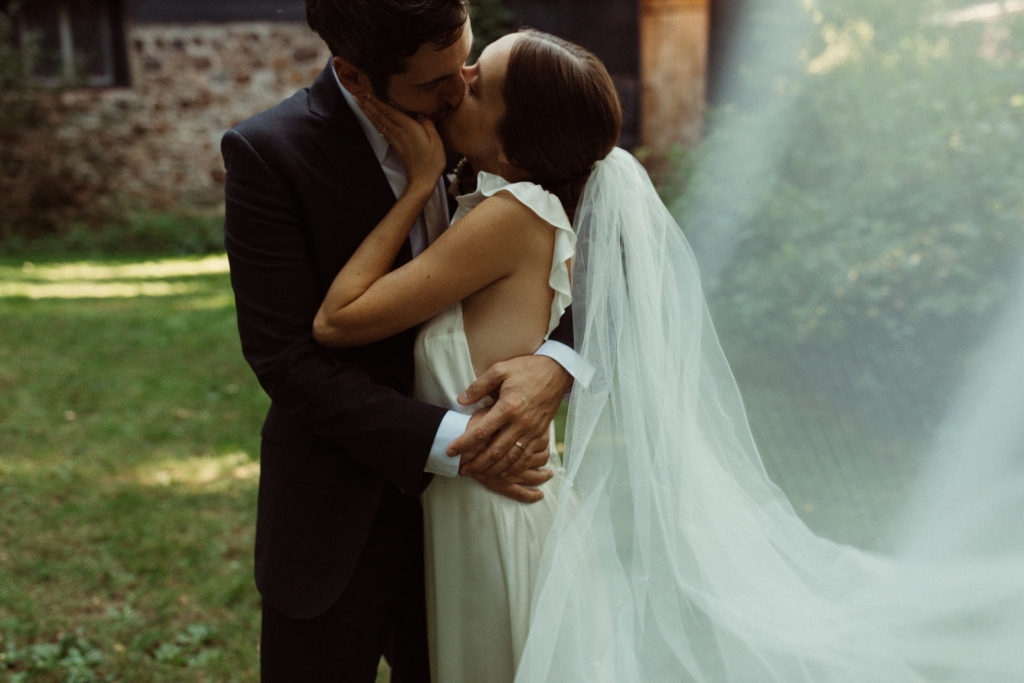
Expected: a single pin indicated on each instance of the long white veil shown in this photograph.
(857, 215)
(675, 557)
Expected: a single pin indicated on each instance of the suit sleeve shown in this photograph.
(325, 390)
(564, 332)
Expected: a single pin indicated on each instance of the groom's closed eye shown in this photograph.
(434, 84)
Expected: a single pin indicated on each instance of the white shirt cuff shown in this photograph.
(438, 461)
(581, 371)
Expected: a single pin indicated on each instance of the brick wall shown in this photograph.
(191, 84)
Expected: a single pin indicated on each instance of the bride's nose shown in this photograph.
(455, 89)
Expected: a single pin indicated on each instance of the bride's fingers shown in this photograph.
(383, 116)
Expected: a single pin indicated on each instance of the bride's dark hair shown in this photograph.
(562, 113)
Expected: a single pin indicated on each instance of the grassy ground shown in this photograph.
(128, 433)
(128, 459)
(128, 469)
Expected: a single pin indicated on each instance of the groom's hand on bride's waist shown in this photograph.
(490, 462)
(529, 391)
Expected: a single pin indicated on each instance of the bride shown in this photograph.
(661, 551)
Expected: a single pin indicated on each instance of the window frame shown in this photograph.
(110, 42)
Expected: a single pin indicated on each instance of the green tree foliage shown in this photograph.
(863, 184)
(491, 20)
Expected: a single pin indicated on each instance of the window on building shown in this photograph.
(72, 42)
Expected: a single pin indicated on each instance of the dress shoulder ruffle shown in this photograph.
(546, 206)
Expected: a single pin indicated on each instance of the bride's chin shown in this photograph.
(451, 143)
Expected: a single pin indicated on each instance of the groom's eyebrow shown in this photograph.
(437, 80)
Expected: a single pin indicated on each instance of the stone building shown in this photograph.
(146, 88)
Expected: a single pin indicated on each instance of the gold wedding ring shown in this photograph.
(519, 445)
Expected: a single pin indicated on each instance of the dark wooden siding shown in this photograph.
(186, 11)
(725, 15)
(608, 28)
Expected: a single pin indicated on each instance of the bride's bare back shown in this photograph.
(509, 317)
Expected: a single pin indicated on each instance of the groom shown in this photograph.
(345, 452)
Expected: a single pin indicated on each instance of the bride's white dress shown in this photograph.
(483, 550)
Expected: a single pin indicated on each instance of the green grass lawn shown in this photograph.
(128, 471)
(129, 444)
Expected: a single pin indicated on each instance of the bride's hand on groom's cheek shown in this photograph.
(415, 140)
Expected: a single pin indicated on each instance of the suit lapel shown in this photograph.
(346, 150)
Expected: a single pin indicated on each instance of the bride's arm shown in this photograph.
(422, 153)
(366, 302)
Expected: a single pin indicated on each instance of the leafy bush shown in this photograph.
(183, 231)
(491, 20)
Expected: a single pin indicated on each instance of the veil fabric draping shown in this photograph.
(674, 558)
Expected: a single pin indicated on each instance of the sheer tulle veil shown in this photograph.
(675, 558)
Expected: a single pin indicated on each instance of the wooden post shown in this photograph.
(673, 72)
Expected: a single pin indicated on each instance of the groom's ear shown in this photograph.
(352, 77)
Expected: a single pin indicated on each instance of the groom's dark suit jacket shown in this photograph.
(303, 189)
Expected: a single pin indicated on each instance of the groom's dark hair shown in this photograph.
(378, 36)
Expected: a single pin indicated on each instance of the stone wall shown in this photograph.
(154, 144)
(190, 84)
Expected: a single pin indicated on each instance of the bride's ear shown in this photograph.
(352, 77)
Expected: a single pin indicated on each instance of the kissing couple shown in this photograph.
(415, 352)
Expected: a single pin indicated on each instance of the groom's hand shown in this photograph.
(517, 461)
(520, 487)
(530, 389)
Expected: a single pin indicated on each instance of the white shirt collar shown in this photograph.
(376, 140)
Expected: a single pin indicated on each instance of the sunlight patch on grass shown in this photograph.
(196, 472)
(94, 290)
(91, 270)
(91, 280)
(209, 303)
